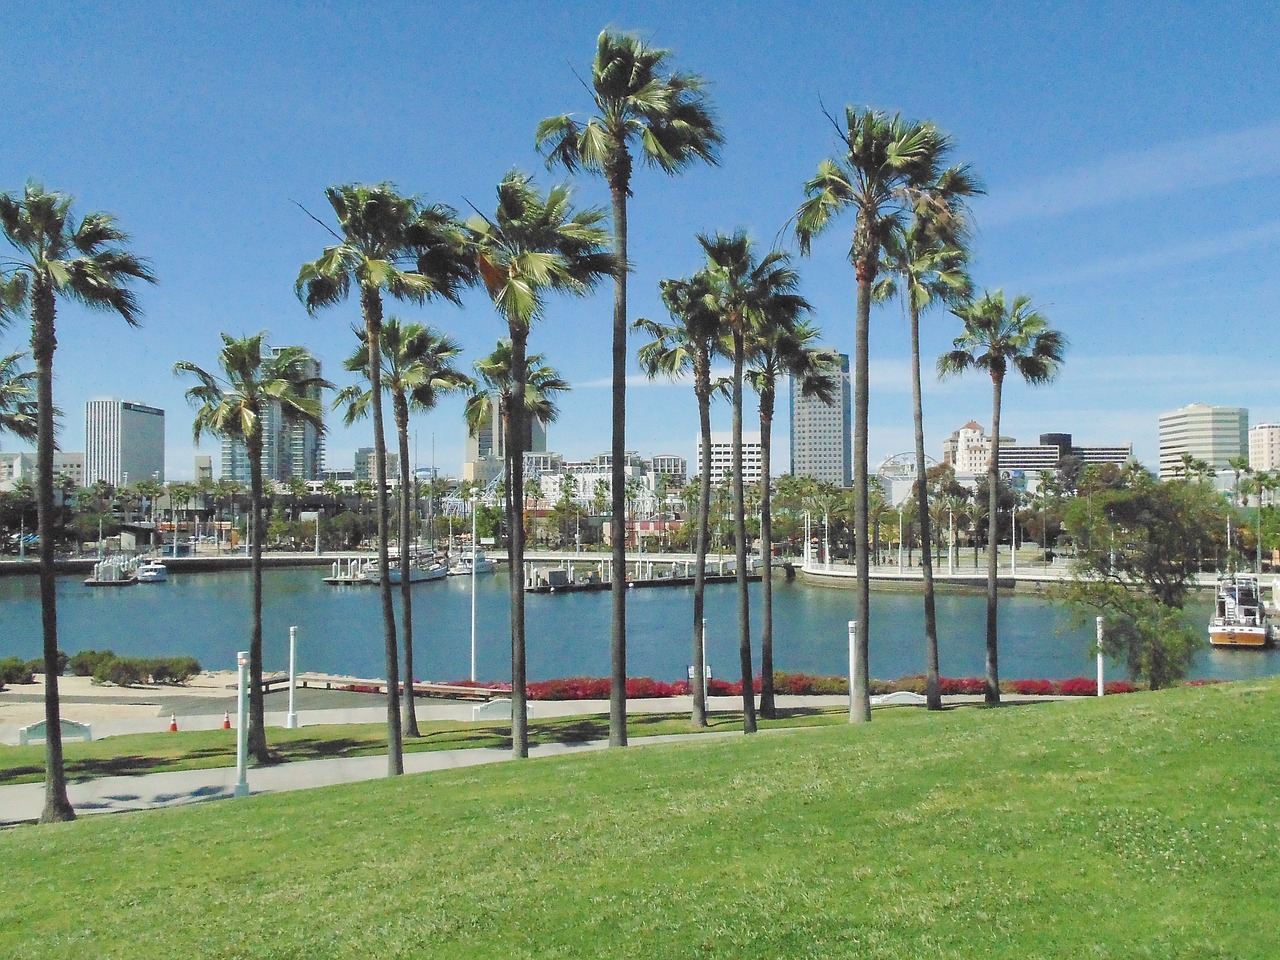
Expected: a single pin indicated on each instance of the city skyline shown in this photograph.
(1141, 226)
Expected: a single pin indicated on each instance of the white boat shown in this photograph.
(464, 565)
(420, 571)
(1239, 616)
(153, 571)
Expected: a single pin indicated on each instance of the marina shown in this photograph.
(206, 615)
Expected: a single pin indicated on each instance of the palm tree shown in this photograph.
(1239, 465)
(686, 346)
(667, 118)
(507, 374)
(19, 413)
(928, 259)
(413, 252)
(781, 349)
(416, 371)
(532, 246)
(744, 293)
(998, 336)
(231, 404)
(887, 163)
(87, 263)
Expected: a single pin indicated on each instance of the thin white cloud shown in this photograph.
(1158, 171)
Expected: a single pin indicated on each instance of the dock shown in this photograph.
(596, 585)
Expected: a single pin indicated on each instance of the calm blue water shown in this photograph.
(206, 615)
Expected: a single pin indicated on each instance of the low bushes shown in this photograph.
(14, 670)
(130, 671)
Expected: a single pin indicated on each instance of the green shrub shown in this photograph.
(122, 671)
(173, 669)
(85, 663)
(128, 671)
(14, 670)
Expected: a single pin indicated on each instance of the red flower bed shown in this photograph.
(1078, 687)
(1032, 688)
(968, 686)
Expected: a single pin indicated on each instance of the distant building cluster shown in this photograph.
(968, 452)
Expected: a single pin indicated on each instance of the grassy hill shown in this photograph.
(1135, 826)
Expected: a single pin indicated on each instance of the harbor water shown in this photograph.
(205, 615)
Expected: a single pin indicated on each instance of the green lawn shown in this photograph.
(204, 749)
(1136, 826)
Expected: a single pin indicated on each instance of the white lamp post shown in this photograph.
(1101, 685)
(291, 719)
(242, 725)
(475, 499)
(853, 643)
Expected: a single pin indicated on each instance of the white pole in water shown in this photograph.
(242, 726)
(291, 719)
(474, 501)
(853, 644)
(1100, 667)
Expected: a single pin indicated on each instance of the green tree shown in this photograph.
(686, 346)
(417, 369)
(667, 118)
(747, 294)
(231, 403)
(998, 336)
(926, 259)
(780, 347)
(87, 263)
(532, 246)
(887, 164)
(411, 251)
(1137, 554)
(19, 413)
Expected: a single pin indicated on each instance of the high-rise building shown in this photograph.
(364, 468)
(1213, 434)
(124, 442)
(484, 454)
(289, 448)
(204, 468)
(820, 435)
(722, 456)
(968, 451)
(1264, 447)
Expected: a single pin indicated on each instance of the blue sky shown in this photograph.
(1130, 153)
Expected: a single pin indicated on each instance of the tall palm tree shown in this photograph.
(745, 292)
(87, 263)
(416, 371)
(780, 349)
(927, 259)
(231, 403)
(532, 246)
(413, 252)
(998, 336)
(887, 162)
(19, 412)
(686, 346)
(666, 117)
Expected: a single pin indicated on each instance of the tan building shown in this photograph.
(1213, 434)
(1264, 447)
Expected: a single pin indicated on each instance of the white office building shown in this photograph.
(1264, 447)
(820, 434)
(124, 442)
(1213, 434)
(722, 456)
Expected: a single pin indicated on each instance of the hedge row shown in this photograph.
(793, 684)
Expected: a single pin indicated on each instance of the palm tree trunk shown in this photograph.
(698, 683)
(257, 710)
(932, 692)
(515, 529)
(993, 527)
(860, 698)
(57, 806)
(371, 301)
(740, 547)
(768, 709)
(410, 720)
(618, 586)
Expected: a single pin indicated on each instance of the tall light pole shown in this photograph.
(951, 541)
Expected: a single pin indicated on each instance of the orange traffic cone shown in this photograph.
(226, 720)
(173, 723)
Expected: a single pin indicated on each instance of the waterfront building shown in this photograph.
(123, 442)
(722, 456)
(484, 454)
(1213, 434)
(968, 451)
(820, 434)
(289, 449)
(1264, 447)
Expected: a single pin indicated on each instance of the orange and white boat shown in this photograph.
(1240, 616)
